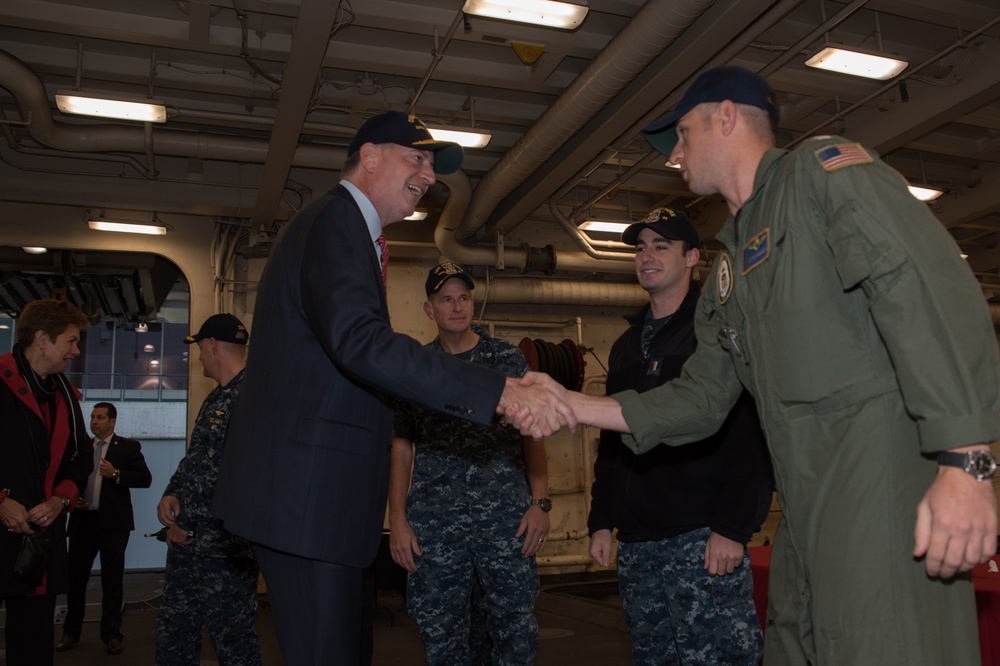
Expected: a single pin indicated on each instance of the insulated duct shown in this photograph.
(539, 291)
(33, 104)
(523, 258)
(653, 28)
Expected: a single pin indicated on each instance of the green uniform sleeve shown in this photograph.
(926, 304)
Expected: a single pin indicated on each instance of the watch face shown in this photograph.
(545, 504)
(982, 464)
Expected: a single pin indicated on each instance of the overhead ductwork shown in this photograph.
(33, 105)
(653, 28)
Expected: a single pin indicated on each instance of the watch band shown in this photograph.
(980, 464)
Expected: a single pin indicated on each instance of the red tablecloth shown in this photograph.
(985, 582)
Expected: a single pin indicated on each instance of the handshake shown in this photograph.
(539, 406)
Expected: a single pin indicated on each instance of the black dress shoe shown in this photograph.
(114, 645)
(66, 642)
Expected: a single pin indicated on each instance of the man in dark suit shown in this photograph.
(101, 523)
(306, 470)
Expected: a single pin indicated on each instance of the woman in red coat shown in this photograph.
(44, 463)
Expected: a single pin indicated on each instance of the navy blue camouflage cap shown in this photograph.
(669, 223)
(736, 84)
(408, 130)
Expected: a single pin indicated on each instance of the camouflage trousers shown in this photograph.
(439, 598)
(678, 614)
(219, 591)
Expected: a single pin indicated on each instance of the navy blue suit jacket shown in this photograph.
(306, 464)
(115, 512)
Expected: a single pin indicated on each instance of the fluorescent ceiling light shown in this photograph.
(417, 216)
(857, 62)
(5, 326)
(86, 105)
(563, 15)
(671, 165)
(924, 193)
(141, 327)
(604, 227)
(466, 138)
(127, 227)
(35, 250)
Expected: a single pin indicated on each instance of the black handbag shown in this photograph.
(32, 557)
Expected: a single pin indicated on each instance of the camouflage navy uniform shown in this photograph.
(213, 580)
(469, 492)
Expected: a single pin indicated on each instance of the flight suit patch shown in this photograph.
(836, 157)
(724, 276)
(756, 251)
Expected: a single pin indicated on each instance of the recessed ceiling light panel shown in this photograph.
(117, 109)
(564, 15)
(857, 62)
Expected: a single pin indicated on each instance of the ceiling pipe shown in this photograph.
(589, 245)
(31, 98)
(569, 222)
(724, 56)
(539, 291)
(524, 258)
(311, 127)
(653, 28)
(436, 54)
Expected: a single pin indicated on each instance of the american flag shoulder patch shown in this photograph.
(841, 155)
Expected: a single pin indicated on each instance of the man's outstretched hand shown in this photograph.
(537, 405)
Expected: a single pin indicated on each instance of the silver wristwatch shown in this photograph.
(543, 503)
(980, 464)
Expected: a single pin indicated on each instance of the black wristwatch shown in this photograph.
(543, 503)
(980, 464)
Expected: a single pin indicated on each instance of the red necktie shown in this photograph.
(384, 249)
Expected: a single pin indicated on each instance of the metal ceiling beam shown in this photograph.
(305, 63)
(930, 107)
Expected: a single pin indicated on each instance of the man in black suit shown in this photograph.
(306, 469)
(100, 523)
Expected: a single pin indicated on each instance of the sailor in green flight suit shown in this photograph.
(844, 308)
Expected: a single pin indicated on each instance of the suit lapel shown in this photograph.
(376, 267)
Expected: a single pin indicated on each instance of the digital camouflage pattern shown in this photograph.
(218, 591)
(469, 492)
(194, 481)
(213, 580)
(678, 614)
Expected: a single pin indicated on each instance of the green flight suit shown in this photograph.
(844, 308)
